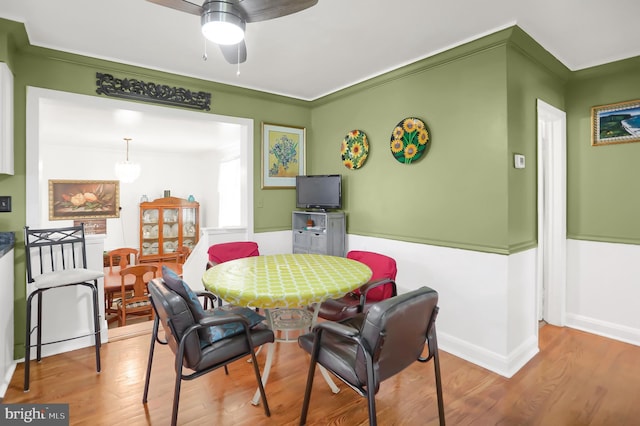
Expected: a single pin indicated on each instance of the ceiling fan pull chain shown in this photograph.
(238, 72)
(204, 55)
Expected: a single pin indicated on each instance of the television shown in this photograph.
(319, 192)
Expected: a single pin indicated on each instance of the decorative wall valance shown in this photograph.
(139, 90)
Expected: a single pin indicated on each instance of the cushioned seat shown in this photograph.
(197, 343)
(381, 286)
(369, 348)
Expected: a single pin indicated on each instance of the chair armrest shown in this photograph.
(371, 285)
(225, 318)
(336, 328)
(208, 297)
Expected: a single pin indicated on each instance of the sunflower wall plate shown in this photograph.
(354, 149)
(409, 140)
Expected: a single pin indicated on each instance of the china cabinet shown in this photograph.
(165, 225)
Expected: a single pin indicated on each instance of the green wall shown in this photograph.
(479, 102)
(532, 74)
(602, 181)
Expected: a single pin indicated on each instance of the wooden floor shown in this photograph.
(576, 379)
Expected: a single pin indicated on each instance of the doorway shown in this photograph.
(552, 215)
(211, 136)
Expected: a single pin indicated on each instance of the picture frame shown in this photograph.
(283, 155)
(615, 123)
(84, 199)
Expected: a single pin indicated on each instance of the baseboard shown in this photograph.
(605, 329)
(6, 380)
(505, 366)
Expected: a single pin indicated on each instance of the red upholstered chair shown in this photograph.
(381, 286)
(224, 252)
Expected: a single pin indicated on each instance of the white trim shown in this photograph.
(552, 213)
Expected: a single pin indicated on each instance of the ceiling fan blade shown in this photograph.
(181, 5)
(262, 10)
(234, 53)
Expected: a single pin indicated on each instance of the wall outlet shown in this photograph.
(518, 161)
(5, 203)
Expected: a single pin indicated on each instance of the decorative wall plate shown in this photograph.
(354, 149)
(409, 139)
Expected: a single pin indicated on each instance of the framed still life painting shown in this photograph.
(84, 199)
(615, 123)
(283, 155)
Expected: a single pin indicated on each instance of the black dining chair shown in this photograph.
(186, 337)
(370, 347)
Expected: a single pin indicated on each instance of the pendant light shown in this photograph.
(126, 171)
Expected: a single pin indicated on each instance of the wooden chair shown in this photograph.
(136, 302)
(121, 257)
(126, 256)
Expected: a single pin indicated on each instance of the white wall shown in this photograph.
(603, 289)
(7, 365)
(182, 174)
(481, 298)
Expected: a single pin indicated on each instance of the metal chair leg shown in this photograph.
(39, 327)
(307, 391)
(27, 345)
(154, 335)
(96, 325)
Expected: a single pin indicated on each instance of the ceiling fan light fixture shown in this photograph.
(222, 23)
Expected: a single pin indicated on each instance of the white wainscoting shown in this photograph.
(487, 301)
(603, 289)
(7, 364)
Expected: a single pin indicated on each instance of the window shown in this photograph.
(229, 192)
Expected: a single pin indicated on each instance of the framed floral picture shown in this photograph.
(615, 123)
(84, 199)
(283, 155)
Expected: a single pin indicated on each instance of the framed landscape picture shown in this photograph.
(84, 199)
(615, 123)
(283, 155)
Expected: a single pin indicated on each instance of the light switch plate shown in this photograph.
(5, 203)
(518, 161)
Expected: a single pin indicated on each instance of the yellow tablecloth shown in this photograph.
(285, 280)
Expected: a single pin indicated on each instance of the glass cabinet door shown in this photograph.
(189, 227)
(150, 232)
(170, 230)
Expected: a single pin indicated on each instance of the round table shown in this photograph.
(278, 281)
(285, 280)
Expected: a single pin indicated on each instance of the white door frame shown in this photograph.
(552, 214)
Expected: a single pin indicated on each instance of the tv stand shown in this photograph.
(319, 232)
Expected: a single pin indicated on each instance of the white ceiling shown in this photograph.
(330, 46)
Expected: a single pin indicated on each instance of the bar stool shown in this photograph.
(57, 258)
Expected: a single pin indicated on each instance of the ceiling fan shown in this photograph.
(223, 22)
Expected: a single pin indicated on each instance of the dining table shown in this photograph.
(288, 287)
